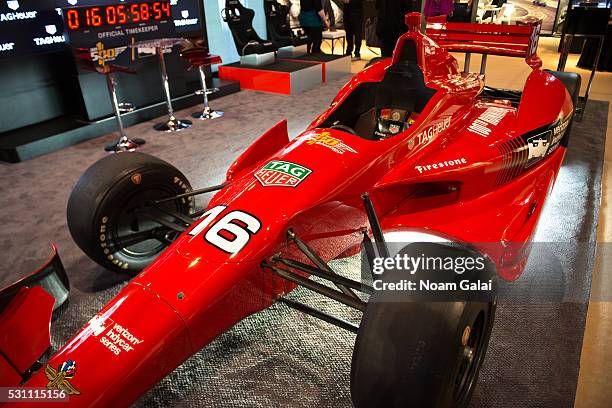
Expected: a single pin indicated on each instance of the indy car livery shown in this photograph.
(410, 145)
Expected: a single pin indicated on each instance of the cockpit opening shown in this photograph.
(379, 110)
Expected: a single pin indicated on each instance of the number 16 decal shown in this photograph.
(231, 233)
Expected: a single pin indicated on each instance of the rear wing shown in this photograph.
(487, 39)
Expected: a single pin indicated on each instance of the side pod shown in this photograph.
(267, 144)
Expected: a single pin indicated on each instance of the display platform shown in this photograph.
(333, 66)
(284, 76)
(42, 138)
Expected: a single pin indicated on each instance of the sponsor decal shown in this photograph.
(394, 128)
(325, 139)
(136, 178)
(538, 146)
(59, 379)
(116, 338)
(544, 143)
(429, 133)
(73, 2)
(52, 39)
(51, 29)
(529, 149)
(17, 15)
(7, 46)
(282, 173)
(185, 21)
(490, 117)
(103, 55)
(20, 15)
(441, 165)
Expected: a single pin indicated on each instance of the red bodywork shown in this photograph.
(452, 181)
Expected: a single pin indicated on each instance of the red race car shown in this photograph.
(411, 149)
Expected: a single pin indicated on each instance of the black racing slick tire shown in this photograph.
(102, 209)
(411, 354)
(422, 353)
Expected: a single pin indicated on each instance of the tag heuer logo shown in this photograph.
(282, 173)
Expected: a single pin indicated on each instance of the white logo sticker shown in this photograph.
(12, 4)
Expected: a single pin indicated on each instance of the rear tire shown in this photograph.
(572, 82)
(101, 208)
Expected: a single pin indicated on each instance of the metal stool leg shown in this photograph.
(585, 98)
(207, 113)
(123, 143)
(173, 124)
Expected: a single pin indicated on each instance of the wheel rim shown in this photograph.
(472, 347)
(127, 221)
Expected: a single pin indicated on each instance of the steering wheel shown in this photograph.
(344, 128)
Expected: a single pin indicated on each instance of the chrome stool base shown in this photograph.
(207, 114)
(124, 144)
(126, 107)
(209, 91)
(173, 125)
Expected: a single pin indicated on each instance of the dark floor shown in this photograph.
(278, 357)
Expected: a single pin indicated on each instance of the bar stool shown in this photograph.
(172, 124)
(198, 56)
(123, 143)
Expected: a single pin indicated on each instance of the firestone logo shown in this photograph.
(441, 165)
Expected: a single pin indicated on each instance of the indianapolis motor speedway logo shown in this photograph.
(282, 173)
(59, 379)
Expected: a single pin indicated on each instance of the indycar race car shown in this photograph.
(411, 149)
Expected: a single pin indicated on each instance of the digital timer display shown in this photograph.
(86, 18)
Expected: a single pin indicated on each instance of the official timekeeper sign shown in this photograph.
(118, 24)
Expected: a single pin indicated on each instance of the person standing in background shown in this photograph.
(390, 25)
(312, 19)
(438, 8)
(329, 11)
(353, 25)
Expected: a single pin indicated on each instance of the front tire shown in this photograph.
(423, 349)
(419, 354)
(101, 209)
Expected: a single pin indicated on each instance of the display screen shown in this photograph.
(30, 27)
(186, 15)
(86, 18)
(117, 24)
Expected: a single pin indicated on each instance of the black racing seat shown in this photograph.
(403, 87)
(240, 22)
(379, 110)
(279, 31)
(400, 97)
